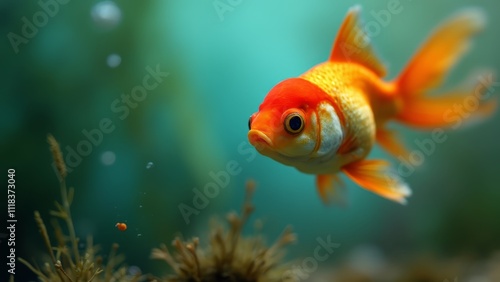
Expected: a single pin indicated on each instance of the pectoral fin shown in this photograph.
(376, 176)
(330, 188)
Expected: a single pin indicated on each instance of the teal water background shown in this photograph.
(220, 66)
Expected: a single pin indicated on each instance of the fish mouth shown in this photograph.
(259, 140)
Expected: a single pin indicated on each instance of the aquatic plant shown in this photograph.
(229, 256)
(67, 263)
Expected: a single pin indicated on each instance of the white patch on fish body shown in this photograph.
(331, 133)
(330, 136)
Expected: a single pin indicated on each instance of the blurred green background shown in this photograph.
(67, 74)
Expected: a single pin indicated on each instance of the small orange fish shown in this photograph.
(121, 226)
(328, 119)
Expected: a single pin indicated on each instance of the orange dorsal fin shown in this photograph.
(353, 45)
(376, 176)
(440, 52)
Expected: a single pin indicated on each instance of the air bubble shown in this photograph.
(113, 60)
(106, 14)
(108, 158)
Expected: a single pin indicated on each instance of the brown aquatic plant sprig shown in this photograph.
(229, 256)
(67, 263)
(63, 211)
(57, 156)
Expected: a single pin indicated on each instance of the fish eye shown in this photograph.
(250, 119)
(294, 123)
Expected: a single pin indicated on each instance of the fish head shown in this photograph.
(290, 126)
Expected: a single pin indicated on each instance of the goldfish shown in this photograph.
(327, 120)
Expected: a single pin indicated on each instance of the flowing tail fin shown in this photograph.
(428, 69)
